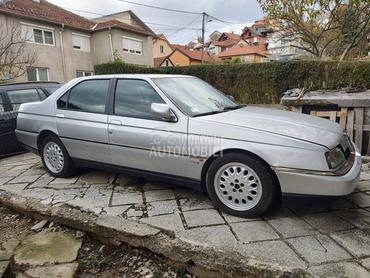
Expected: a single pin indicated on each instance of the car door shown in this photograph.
(6, 126)
(141, 140)
(81, 119)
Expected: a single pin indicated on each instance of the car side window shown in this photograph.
(88, 96)
(133, 98)
(62, 101)
(17, 97)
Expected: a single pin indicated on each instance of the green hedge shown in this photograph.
(264, 82)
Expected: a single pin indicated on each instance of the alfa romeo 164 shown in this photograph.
(181, 129)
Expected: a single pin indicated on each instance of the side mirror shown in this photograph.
(164, 111)
(231, 97)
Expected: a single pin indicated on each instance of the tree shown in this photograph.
(15, 55)
(321, 27)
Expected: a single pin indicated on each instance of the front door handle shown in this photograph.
(115, 122)
(59, 115)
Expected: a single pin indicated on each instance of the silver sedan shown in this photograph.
(181, 129)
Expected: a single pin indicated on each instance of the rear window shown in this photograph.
(87, 96)
(17, 97)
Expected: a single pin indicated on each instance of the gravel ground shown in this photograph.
(96, 259)
(13, 225)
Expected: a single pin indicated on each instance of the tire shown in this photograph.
(237, 193)
(55, 158)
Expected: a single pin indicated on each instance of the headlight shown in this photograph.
(335, 157)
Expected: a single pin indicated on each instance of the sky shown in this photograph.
(237, 13)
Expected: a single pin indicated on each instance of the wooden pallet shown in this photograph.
(352, 121)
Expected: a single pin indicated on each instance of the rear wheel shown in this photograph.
(241, 185)
(56, 158)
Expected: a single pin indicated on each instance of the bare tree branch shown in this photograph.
(15, 55)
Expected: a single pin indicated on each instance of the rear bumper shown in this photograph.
(320, 185)
(27, 139)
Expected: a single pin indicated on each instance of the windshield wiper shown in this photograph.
(233, 107)
(220, 111)
(209, 113)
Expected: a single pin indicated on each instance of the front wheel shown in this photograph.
(56, 158)
(241, 185)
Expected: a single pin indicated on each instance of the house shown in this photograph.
(224, 42)
(68, 45)
(215, 35)
(256, 34)
(245, 52)
(183, 56)
(161, 49)
(281, 46)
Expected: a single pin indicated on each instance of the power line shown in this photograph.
(187, 25)
(159, 8)
(173, 27)
(166, 27)
(227, 22)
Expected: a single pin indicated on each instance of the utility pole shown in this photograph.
(203, 30)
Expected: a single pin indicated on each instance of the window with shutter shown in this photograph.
(132, 46)
(81, 42)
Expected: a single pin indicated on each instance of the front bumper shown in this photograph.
(321, 185)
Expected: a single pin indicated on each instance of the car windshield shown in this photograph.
(194, 96)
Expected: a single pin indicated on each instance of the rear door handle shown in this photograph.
(59, 115)
(115, 122)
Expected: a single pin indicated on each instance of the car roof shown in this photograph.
(140, 75)
(29, 85)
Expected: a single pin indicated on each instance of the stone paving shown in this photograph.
(330, 240)
(47, 254)
(6, 253)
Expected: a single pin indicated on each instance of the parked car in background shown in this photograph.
(11, 97)
(183, 130)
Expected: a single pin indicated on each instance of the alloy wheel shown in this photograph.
(238, 186)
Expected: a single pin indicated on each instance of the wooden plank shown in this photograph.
(333, 116)
(328, 114)
(343, 117)
(359, 116)
(350, 121)
(323, 113)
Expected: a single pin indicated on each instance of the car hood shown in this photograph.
(291, 124)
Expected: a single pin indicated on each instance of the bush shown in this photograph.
(264, 82)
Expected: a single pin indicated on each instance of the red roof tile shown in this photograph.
(158, 61)
(226, 43)
(45, 11)
(192, 54)
(238, 50)
(232, 35)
